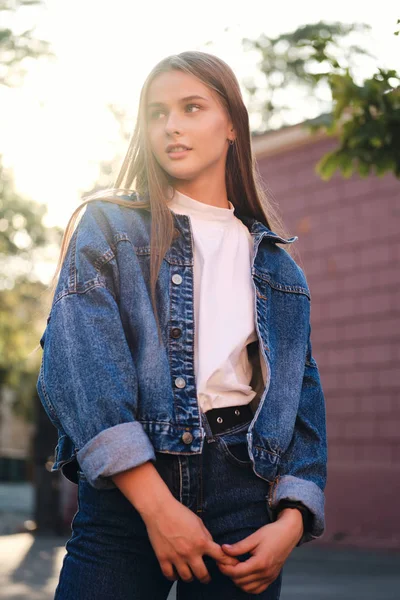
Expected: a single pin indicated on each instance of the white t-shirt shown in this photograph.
(223, 303)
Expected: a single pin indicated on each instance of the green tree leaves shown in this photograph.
(365, 118)
(366, 121)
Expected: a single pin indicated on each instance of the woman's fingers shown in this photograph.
(184, 572)
(169, 571)
(215, 551)
(199, 570)
(243, 569)
(256, 587)
(251, 579)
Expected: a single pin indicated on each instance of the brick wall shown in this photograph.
(349, 248)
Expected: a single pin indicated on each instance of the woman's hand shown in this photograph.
(270, 546)
(180, 539)
(178, 536)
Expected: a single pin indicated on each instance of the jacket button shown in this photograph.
(180, 382)
(176, 233)
(187, 438)
(176, 278)
(176, 332)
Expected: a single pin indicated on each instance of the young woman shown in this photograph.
(177, 362)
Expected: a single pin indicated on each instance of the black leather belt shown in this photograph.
(221, 419)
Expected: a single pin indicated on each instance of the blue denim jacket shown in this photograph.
(117, 396)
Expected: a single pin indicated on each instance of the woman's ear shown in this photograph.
(232, 133)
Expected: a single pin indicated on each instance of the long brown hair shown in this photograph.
(141, 173)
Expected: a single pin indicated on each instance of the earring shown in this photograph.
(231, 142)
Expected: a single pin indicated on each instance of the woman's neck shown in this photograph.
(214, 195)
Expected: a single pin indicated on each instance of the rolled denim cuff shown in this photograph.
(114, 450)
(310, 495)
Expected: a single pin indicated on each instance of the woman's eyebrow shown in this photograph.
(186, 99)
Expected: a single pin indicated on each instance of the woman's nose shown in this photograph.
(173, 123)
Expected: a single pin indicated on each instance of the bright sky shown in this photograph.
(56, 128)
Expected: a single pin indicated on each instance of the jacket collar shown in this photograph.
(259, 230)
(256, 228)
(181, 252)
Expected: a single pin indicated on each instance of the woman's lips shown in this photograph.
(180, 154)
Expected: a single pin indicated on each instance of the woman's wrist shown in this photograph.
(145, 489)
(306, 513)
(293, 518)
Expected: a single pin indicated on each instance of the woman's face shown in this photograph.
(182, 110)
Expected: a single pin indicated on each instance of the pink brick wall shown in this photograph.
(349, 248)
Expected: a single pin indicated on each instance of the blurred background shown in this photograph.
(322, 85)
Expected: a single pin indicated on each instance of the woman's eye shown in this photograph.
(193, 105)
(155, 113)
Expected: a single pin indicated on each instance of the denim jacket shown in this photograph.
(117, 396)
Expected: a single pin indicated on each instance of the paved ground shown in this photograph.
(30, 565)
(29, 569)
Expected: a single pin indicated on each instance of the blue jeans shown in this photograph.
(109, 555)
